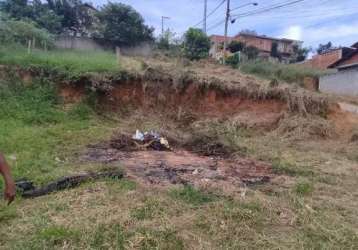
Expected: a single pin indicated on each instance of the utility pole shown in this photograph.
(163, 17)
(205, 14)
(226, 28)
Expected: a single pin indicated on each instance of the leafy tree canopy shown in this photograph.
(236, 46)
(121, 24)
(322, 48)
(196, 44)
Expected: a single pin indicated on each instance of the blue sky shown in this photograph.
(312, 21)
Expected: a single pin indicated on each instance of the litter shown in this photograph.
(150, 140)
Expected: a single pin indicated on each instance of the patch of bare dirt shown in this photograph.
(165, 168)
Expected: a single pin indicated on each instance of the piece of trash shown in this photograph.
(151, 140)
(164, 142)
(139, 136)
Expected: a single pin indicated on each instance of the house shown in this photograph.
(350, 61)
(345, 80)
(325, 60)
(263, 43)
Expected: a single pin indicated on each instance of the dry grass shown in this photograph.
(311, 204)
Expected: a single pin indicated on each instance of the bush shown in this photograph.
(196, 44)
(233, 60)
(21, 32)
(283, 72)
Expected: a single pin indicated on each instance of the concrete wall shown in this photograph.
(343, 82)
(82, 43)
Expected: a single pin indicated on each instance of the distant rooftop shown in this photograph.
(221, 38)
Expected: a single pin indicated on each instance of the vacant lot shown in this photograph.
(309, 202)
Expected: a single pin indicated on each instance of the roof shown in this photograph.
(335, 64)
(219, 38)
(269, 38)
(355, 45)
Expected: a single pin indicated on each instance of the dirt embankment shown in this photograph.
(183, 93)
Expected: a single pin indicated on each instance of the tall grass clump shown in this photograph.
(290, 73)
(71, 63)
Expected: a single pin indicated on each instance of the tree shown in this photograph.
(251, 52)
(236, 46)
(122, 25)
(46, 18)
(166, 40)
(322, 48)
(76, 16)
(17, 9)
(16, 31)
(34, 11)
(299, 54)
(196, 44)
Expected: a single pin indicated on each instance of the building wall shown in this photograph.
(353, 59)
(324, 60)
(344, 82)
(261, 44)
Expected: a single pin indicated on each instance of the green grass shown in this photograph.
(192, 196)
(70, 63)
(287, 73)
(37, 135)
(303, 188)
(287, 168)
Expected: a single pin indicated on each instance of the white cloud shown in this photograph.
(339, 34)
(293, 32)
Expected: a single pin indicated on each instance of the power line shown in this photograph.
(267, 9)
(216, 25)
(211, 13)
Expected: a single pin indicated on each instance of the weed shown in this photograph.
(81, 111)
(148, 211)
(303, 188)
(7, 213)
(192, 196)
(121, 185)
(51, 237)
(287, 168)
(159, 239)
(109, 235)
(287, 73)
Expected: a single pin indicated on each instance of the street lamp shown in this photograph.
(242, 6)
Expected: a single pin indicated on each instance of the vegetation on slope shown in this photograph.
(290, 73)
(38, 134)
(72, 63)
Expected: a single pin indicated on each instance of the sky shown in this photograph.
(312, 21)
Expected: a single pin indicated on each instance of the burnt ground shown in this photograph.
(180, 166)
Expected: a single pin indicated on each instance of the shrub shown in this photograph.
(233, 60)
(287, 73)
(196, 44)
(21, 32)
